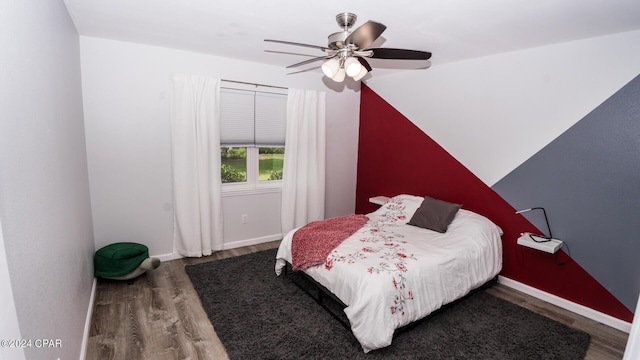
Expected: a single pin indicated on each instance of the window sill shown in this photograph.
(242, 190)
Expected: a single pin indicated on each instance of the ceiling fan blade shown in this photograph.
(309, 61)
(323, 48)
(365, 34)
(364, 63)
(399, 54)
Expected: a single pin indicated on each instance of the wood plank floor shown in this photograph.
(160, 317)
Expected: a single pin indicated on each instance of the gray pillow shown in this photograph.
(434, 214)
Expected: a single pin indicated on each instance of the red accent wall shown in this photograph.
(396, 157)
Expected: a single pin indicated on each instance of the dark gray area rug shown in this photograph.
(260, 316)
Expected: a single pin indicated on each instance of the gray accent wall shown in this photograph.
(588, 181)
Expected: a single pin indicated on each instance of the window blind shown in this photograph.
(252, 118)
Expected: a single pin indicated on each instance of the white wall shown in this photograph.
(263, 222)
(44, 187)
(493, 113)
(127, 119)
(9, 328)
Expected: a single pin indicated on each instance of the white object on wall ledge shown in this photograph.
(379, 200)
(546, 245)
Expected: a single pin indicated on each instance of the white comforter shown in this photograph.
(390, 274)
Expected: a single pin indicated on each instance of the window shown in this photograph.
(252, 134)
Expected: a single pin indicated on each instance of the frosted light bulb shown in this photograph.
(331, 67)
(352, 66)
(339, 76)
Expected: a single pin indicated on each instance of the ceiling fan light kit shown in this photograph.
(346, 50)
(336, 69)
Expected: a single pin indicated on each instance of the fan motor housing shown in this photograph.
(336, 40)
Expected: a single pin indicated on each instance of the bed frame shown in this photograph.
(334, 306)
(323, 296)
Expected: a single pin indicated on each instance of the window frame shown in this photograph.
(252, 185)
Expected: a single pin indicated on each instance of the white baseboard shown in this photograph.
(249, 242)
(227, 246)
(168, 257)
(568, 305)
(87, 321)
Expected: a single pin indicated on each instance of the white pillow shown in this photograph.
(408, 203)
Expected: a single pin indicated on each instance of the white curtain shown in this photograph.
(303, 177)
(195, 148)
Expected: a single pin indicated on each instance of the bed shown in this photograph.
(390, 274)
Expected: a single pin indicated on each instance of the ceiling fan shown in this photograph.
(346, 51)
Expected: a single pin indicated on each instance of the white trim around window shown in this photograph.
(265, 187)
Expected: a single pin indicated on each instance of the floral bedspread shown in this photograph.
(390, 274)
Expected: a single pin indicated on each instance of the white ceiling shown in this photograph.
(452, 30)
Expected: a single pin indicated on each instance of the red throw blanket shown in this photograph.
(312, 243)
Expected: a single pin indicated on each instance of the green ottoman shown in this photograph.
(123, 261)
